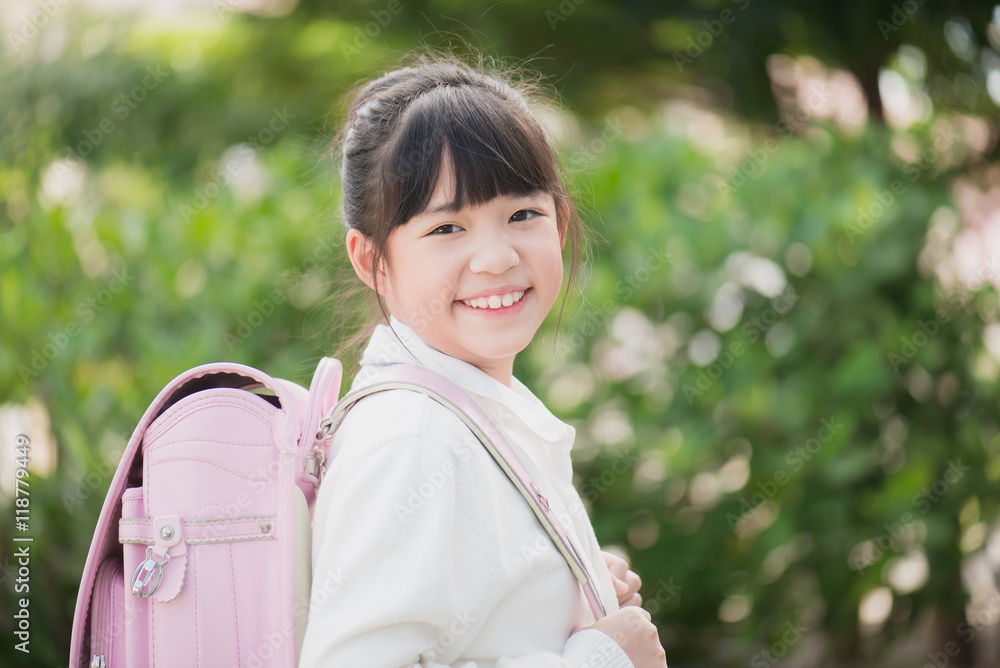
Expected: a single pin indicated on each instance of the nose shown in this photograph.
(494, 252)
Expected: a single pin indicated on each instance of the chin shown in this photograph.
(491, 355)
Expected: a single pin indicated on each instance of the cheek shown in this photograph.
(557, 273)
(432, 287)
(550, 263)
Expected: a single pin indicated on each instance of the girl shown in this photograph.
(424, 552)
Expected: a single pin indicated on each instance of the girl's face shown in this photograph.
(442, 262)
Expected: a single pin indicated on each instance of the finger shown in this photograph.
(635, 599)
(615, 563)
(618, 571)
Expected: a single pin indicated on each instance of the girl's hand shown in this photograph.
(626, 581)
(635, 633)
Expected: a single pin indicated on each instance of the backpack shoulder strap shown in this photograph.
(453, 397)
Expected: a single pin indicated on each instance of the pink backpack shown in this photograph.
(194, 560)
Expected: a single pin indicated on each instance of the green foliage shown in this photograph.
(839, 444)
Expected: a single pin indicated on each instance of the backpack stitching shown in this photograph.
(232, 402)
(236, 616)
(204, 461)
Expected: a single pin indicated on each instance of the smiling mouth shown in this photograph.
(495, 302)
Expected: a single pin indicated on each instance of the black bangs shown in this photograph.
(495, 150)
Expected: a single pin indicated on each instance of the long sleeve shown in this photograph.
(404, 573)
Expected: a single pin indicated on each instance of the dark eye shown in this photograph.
(523, 214)
(442, 227)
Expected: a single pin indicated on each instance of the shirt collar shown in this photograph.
(398, 343)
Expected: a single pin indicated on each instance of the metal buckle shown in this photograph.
(539, 495)
(315, 464)
(325, 429)
(144, 573)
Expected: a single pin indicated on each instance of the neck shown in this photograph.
(503, 373)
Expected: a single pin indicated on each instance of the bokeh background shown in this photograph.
(781, 359)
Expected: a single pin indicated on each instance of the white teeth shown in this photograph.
(495, 301)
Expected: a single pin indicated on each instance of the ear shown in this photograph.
(360, 250)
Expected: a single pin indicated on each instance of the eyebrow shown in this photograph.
(452, 207)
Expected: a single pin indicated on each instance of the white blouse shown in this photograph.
(425, 553)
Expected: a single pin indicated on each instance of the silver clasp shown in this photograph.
(325, 429)
(538, 494)
(315, 464)
(144, 573)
